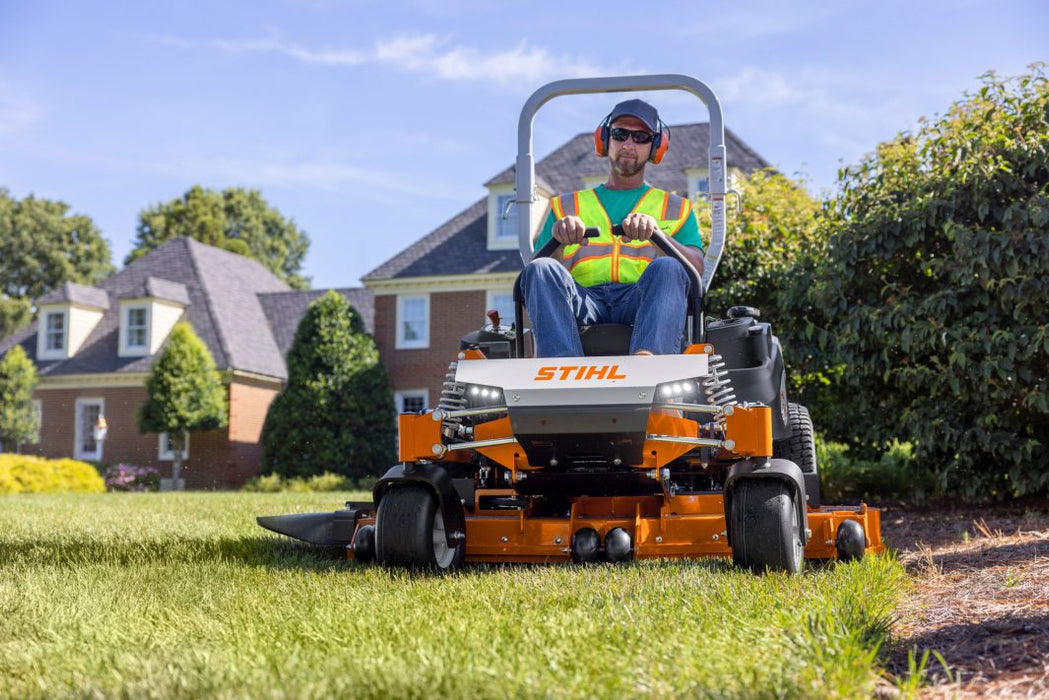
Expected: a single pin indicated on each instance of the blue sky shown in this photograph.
(370, 124)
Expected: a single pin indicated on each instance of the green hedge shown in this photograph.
(28, 474)
(273, 483)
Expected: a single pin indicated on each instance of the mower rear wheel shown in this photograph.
(410, 533)
(766, 529)
(800, 448)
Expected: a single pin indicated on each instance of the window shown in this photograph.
(413, 322)
(412, 400)
(88, 412)
(503, 302)
(164, 450)
(55, 331)
(505, 229)
(136, 327)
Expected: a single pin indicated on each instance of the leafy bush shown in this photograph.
(127, 477)
(274, 483)
(29, 474)
(337, 412)
(933, 296)
(846, 478)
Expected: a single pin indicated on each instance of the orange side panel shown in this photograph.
(658, 453)
(751, 430)
(506, 455)
(418, 436)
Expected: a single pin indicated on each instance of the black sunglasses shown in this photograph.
(640, 137)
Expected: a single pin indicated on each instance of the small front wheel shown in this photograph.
(766, 529)
(410, 532)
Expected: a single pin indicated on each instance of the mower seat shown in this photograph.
(603, 339)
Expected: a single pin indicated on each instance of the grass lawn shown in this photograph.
(183, 594)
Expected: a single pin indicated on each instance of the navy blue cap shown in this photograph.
(636, 108)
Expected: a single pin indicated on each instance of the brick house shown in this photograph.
(434, 292)
(94, 346)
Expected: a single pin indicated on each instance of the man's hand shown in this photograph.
(570, 230)
(639, 227)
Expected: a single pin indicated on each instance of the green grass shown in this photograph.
(168, 594)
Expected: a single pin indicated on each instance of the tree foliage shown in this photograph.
(336, 413)
(18, 418)
(775, 223)
(43, 246)
(934, 290)
(184, 391)
(235, 219)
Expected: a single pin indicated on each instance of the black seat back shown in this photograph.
(603, 339)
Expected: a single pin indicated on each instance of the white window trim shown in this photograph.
(400, 396)
(402, 343)
(167, 455)
(495, 215)
(59, 353)
(127, 350)
(489, 303)
(78, 428)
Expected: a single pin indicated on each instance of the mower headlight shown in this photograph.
(684, 390)
(479, 395)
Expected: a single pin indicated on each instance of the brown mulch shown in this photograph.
(980, 598)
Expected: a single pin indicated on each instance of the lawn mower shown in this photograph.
(608, 456)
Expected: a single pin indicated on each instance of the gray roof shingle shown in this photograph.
(156, 288)
(285, 309)
(460, 245)
(75, 293)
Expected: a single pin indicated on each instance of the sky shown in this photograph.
(372, 123)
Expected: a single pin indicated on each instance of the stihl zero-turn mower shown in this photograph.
(606, 456)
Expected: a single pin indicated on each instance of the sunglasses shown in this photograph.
(640, 137)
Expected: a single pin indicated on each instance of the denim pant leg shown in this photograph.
(557, 306)
(662, 304)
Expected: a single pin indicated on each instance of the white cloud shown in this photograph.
(415, 53)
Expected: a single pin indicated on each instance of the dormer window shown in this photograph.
(55, 332)
(136, 329)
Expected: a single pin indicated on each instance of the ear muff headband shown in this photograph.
(660, 142)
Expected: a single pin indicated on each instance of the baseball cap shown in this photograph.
(636, 108)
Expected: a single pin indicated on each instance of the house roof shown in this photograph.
(285, 309)
(74, 293)
(460, 245)
(223, 295)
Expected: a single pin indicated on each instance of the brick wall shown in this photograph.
(217, 459)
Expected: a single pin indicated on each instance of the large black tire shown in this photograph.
(800, 448)
(409, 531)
(766, 529)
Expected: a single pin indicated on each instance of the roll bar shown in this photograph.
(525, 183)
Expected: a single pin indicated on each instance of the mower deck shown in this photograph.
(682, 526)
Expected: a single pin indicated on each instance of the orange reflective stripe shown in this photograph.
(556, 207)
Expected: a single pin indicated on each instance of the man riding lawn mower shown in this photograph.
(596, 449)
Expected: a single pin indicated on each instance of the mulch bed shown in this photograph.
(980, 598)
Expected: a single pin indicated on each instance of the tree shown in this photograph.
(41, 247)
(184, 393)
(235, 219)
(19, 421)
(336, 414)
(935, 290)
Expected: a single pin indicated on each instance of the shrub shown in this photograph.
(935, 292)
(127, 477)
(892, 476)
(28, 474)
(273, 483)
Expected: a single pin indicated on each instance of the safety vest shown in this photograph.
(608, 258)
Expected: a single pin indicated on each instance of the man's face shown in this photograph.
(629, 158)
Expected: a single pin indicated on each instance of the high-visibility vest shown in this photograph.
(608, 258)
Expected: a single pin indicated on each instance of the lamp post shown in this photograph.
(100, 431)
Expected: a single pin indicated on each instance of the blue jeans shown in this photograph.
(558, 305)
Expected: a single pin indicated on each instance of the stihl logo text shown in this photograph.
(578, 372)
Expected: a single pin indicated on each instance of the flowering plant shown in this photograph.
(127, 477)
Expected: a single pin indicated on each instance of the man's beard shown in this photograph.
(628, 167)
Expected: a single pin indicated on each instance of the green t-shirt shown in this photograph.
(619, 203)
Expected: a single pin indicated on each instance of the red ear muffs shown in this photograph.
(601, 136)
